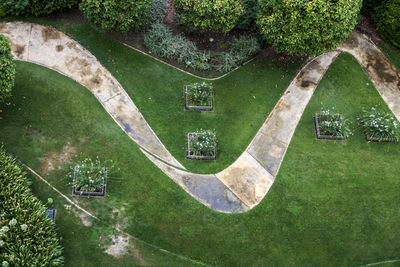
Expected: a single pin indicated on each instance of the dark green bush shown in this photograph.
(27, 236)
(387, 20)
(248, 18)
(7, 69)
(35, 7)
(307, 27)
(210, 15)
(122, 15)
(368, 6)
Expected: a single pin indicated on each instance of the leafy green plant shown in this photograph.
(199, 94)
(203, 143)
(161, 42)
(27, 236)
(90, 175)
(380, 125)
(210, 15)
(35, 7)
(157, 12)
(307, 27)
(122, 15)
(333, 124)
(387, 19)
(7, 69)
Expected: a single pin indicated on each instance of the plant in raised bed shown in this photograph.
(89, 177)
(202, 145)
(330, 125)
(379, 126)
(199, 96)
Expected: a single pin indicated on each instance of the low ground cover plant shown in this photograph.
(157, 12)
(379, 125)
(90, 175)
(27, 236)
(7, 69)
(199, 94)
(333, 124)
(202, 143)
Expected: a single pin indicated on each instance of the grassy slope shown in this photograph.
(332, 203)
(392, 53)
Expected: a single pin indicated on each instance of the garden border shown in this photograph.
(325, 137)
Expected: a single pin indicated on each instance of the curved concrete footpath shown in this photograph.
(242, 185)
(48, 47)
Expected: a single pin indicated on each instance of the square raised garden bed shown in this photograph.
(85, 185)
(199, 96)
(379, 126)
(325, 135)
(201, 145)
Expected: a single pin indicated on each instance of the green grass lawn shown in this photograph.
(333, 203)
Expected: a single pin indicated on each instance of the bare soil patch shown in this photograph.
(55, 159)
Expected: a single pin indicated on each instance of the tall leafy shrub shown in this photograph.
(121, 15)
(387, 20)
(307, 27)
(35, 7)
(27, 235)
(249, 15)
(211, 15)
(7, 69)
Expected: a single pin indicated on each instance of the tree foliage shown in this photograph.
(210, 15)
(27, 236)
(35, 7)
(7, 69)
(387, 20)
(307, 27)
(118, 15)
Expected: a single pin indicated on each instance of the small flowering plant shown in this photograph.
(379, 126)
(332, 124)
(202, 144)
(199, 96)
(89, 177)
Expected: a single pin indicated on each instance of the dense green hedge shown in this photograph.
(35, 7)
(27, 235)
(211, 15)
(307, 27)
(7, 69)
(122, 15)
(368, 6)
(248, 17)
(387, 20)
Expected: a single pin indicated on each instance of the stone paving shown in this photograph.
(243, 184)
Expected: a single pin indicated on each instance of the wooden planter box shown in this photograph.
(188, 106)
(189, 154)
(77, 193)
(383, 140)
(322, 136)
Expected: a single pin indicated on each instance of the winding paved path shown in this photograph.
(242, 185)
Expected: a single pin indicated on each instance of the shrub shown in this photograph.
(27, 236)
(157, 12)
(368, 6)
(36, 7)
(199, 94)
(307, 27)
(387, 19)
(7, 69)
(333, 124)
(161, 42)
(212, 15)
(241, 49)
(122, 15)
(380, 125)
(203, 143)
(248, 18)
